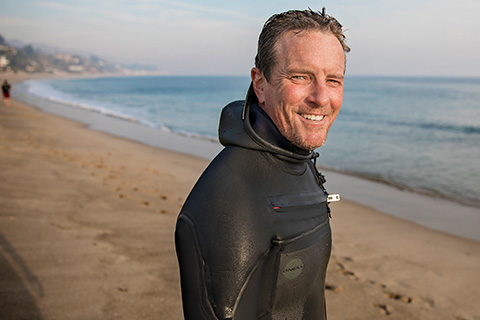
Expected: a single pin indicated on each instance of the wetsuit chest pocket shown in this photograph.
(299, 206)
(296, 279)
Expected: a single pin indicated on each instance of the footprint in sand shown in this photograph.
(386, 310)
(428, 302)
(334, 288)
(346, 272)
(399, 297)
(372, 282)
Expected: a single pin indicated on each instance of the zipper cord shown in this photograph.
(320, 179)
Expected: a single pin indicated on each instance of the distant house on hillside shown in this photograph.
(76, 68)
(3, 62)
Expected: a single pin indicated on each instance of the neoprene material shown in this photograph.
(253, 238)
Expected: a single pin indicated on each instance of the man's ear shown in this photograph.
(258, 81)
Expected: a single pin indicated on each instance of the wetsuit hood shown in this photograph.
(237, 127)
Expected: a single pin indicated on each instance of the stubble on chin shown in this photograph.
(308, 145)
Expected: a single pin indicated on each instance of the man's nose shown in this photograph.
(318, 94)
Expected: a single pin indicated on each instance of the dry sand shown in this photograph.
(87, 222)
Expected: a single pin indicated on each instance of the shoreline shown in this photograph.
(440, 214)
(87, 221)
(40, 101)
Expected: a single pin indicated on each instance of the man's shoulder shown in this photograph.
(233, 167)
(234, 160)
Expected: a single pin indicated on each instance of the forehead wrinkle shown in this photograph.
(286, 56)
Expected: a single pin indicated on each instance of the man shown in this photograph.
(6, 92)
(253, 239)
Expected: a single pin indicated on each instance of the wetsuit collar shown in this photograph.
(263, 125)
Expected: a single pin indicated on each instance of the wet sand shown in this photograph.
(87, 221)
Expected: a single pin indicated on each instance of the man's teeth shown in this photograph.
(312, 117)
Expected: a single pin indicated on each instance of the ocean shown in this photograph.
(415, 133)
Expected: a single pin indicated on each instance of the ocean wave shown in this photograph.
(41, 89)
(465, 129)
(451, 127)
(447, 127)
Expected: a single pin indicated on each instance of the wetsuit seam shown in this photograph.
(247, 281)
(201, 261)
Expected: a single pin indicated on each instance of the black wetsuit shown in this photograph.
(253, 239)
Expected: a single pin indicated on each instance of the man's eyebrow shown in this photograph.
(296, 70)
(335, 76)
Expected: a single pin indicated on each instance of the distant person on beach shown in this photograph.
(6, 92)
(253, 238)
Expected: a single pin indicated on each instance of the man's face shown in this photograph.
(304, 94)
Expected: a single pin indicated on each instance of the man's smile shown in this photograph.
(313, 117)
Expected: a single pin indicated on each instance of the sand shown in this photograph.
(87, 222)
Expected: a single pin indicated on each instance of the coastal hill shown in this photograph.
(14, 56)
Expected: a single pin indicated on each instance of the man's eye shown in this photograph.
(334, 82)
(299, 77)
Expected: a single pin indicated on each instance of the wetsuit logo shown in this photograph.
(293, 269)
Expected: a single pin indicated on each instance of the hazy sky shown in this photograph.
(387, 37)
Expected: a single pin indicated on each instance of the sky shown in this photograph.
(218, 37)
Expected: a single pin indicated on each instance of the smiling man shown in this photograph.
(304, 92)
(253, 238)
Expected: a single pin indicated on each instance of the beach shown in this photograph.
(87, 221)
